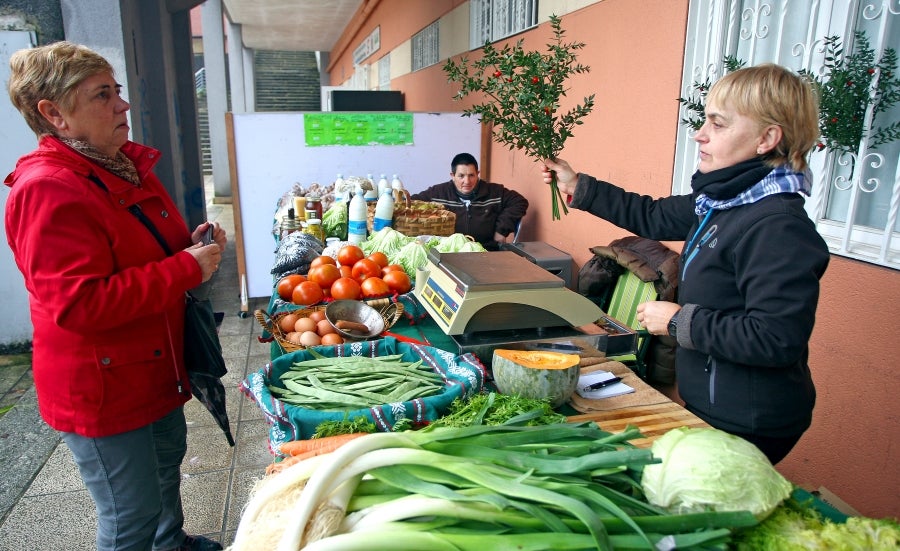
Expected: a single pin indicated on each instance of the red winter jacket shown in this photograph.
(107, 304)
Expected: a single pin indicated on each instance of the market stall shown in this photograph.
(569, 453)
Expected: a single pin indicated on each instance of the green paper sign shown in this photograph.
(358, 129)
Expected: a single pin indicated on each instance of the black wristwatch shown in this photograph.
(673, 327)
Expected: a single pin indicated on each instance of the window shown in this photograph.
(425, 47)
(492, 20)
(856, 197)
(384, 72)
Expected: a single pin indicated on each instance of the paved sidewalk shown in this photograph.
(43, 503)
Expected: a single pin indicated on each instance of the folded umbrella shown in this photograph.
(204, 361)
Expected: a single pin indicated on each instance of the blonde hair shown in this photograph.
(51, 72)
(771, 94)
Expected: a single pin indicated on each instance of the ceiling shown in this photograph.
(293, 25)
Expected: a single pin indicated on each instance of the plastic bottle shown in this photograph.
(397, 188)
(384, 211)
(340, 194)
(371, 195)
(356, 217)
(383, 185)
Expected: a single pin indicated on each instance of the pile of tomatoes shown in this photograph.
(353, 276)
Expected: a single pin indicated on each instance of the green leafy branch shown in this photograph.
(846, 90)
(695, 103)
(524, 90)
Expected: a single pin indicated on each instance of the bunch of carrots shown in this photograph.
(298, 450)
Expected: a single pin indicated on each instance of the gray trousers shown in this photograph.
(135, 480)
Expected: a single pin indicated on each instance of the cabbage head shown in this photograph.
(706, 469)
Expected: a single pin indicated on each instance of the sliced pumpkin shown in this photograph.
(536, 359)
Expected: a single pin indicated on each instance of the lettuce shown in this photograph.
(708, 469)
(793, 527)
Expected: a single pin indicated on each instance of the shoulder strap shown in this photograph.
(139, 214)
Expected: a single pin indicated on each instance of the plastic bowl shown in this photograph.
(357, 312)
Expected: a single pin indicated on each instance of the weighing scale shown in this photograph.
(485, 291)
(499, 299)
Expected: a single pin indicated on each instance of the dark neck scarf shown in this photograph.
(728, 182)
(120, 165)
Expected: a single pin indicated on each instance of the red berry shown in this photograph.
(535, 80)
(871, 71)
(834, 119)
(497, 74)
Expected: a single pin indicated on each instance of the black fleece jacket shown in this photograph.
(749, 298)
(491, 209)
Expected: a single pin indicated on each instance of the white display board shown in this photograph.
(270, 156)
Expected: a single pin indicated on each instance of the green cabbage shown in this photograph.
(458, 243)
(708, 469)
(386, 240)
(335, 220)
(411, 256)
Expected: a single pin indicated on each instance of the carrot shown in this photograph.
(323, 444)
(298, 450)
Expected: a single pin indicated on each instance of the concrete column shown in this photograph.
(216, 102)
(249, 80)
(236, 69)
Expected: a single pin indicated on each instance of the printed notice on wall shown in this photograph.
(358, 128)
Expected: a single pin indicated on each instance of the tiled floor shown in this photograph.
(54, 510)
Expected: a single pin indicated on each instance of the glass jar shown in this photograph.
(289, 224)
(314, 228)
(314, 203)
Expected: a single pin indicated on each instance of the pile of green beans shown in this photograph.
(354, 382)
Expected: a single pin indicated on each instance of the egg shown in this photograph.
(293, 337)
(332, 338)
(317, 315)
(310, 338)
(324, 327)
(304, 324)
(287, 322)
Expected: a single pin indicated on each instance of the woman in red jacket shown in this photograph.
(107, 303)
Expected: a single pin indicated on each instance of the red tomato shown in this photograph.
(348, 255)
(319, 260)
(346, 271)
(391, 268)
(374, 287)
(307, 294)
(324, 275)
(286, 285)
(345, 288)
(365, 268)
(379, 257)
(398, 281)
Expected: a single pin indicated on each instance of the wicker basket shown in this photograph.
(415, 218)
(272, 323)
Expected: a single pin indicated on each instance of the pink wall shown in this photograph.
(635, 50)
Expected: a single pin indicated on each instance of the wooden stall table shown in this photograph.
(646, 408)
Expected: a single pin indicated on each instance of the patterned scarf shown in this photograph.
(781, 179)
(120, 165)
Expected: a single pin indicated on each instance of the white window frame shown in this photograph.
(759, 31)
(426, 47)
(384, 72)
(493, 20)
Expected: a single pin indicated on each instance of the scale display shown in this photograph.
(487, 291)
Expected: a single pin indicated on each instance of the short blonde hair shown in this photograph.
(772, 94)
(51, 72)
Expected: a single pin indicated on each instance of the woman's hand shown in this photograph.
(208, 257)
(566, 178)
(655, 316)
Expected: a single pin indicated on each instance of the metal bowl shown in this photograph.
(357, 312)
